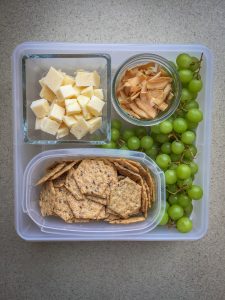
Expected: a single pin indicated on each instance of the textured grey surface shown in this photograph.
(100, 270)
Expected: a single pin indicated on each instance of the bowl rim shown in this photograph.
(166, 64)
(107, 138)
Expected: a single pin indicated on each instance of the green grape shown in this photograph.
(140, 132)
(184, 225)
(124, 147)
(115, 134)
(191, 104)
(173, 199)
(177, 147)
(164, 219)
(110, 145)
(179, 125)
(195, 64)
(172, 188)
(163, 161)
(183, 171)
(192, 125)
(133, 143)
(195, 85)
(190, 152)
(146, 142)
(167, 205)
(186, 95)
(185, 184)
(180, 113)
(127, 134)
(166, 148)
(185, 75)
(194, 167)
(188, 210)
(173, 166)
(162, 138)
(175, 157)
(166, 127)
(155, 129)
(152, 152)
(195, 192)
(194, 115)
(188, 137)
(170, 176)
(184, 61)
(183, 200)
(116, 124)
(175, 212)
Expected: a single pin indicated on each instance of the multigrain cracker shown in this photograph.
(65, 169)
(61, 207)
(72, 186)
(60, 181)
(102, 201)
(51, 172)
(47, 199)
(125, 163)
(125, 198)
(127, 221)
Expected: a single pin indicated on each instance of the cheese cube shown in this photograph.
(50, 126)
(38, 123)
(94, 124)
(69, 101)
(68, 80)
(73, 108)
(47, 94)
(88, 92)
(53, 79)
(69, 121)
(62, 131)
(56, 112)
(67, 91)
(80, 129)
(83, 101)
(95, 106)
(40, 108)
(87, 79)
(99, 93)
(42, 82)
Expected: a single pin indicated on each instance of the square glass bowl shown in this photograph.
(36, 66)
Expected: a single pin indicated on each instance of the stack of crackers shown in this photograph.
(114, 190)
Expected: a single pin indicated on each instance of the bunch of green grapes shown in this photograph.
(171, 144)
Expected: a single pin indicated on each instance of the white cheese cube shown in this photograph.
(62, 131)
(67, 91)
(68, 80)
(47, 94)
(83, 101)
(50, 126)
(80, 128)
(38, 123)
(53, 79)
(42, 82)
(73, 108)
(69, 101)
(56, 112)
(95, 106)
(40, 108)
(88, 91)
(69, 121)
(99, 93)
(94, 124)
(87, 79)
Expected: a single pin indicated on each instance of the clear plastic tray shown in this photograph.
(23, 153)
(36, 169)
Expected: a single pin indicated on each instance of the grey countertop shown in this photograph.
(113, 270)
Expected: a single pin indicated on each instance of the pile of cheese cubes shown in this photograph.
(69, 104)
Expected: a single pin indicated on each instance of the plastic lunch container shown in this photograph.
(23, 152)
(36, 169)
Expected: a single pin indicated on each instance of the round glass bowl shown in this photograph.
(142, 59)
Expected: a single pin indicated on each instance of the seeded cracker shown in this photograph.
(125, 198)
(72, 186)
(125, 163)
(47, 199)
(51, 173)
(60, 181)
(61, 207)
(65, 169)
(128, 221)
(102, 201)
